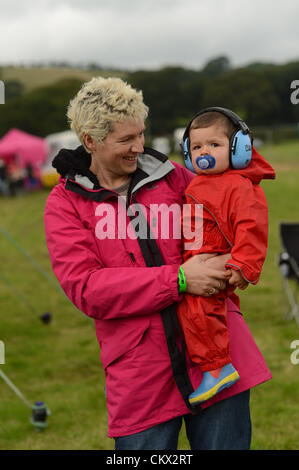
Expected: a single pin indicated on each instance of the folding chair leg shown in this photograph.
(293, 311)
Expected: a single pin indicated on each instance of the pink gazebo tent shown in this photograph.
(27, 148)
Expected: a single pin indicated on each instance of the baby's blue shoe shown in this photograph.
(212, 383)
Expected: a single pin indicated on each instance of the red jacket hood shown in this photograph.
(258, 168)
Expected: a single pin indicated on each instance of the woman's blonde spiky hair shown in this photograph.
(101, 102)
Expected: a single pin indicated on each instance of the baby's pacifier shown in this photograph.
(206, 162)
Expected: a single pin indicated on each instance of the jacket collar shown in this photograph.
(73, 166)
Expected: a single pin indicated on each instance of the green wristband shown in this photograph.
(182, 280)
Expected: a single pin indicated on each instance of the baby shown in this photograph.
(218, 147)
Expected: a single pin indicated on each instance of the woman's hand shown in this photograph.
(206, 274)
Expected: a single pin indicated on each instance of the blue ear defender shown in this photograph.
(240, 143)
(240, 150)
(187, 156)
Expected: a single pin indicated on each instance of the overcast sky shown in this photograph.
(134, 34)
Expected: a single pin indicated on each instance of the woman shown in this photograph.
(95, 220)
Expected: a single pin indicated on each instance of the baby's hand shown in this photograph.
(237, 280)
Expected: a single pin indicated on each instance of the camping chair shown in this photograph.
(289, 269)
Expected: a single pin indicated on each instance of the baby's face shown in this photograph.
(210, 141)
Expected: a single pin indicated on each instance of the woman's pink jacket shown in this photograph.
(99, 265)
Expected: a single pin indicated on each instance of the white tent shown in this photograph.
(56, 142)
(59, 140)
(178, 136)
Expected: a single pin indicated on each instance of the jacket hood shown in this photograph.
(258, 169)
(69, 163)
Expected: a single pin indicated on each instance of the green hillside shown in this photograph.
(33, 77)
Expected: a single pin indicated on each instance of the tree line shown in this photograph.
(259, 92)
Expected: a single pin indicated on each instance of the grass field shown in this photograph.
(59, 363)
